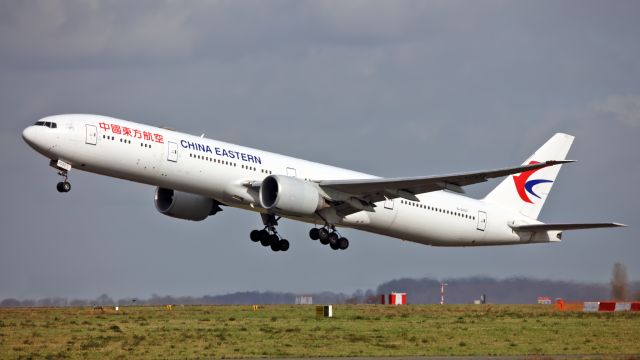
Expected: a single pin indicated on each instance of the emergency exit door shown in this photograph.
(92, 135)
(172, 153)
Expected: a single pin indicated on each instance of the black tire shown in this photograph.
(334, 246)
(343, 243)
(263, 234)
(323, 235)
(314, 234)
(283, 245)
(324, 241)
(60, 187)
(333, 238)
(273, 239)
(66, 186)
(265, 241)
(255, 235)
(275, 247)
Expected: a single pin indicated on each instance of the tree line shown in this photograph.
(518, 290)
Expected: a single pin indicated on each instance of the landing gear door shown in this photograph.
(172, 154)
(92, 135)
(482, 220)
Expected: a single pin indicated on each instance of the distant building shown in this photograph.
(394, 299)
(544, 300)
(304, 300)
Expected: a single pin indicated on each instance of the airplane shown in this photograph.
(195, 177)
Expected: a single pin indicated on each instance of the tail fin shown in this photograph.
(526, 192)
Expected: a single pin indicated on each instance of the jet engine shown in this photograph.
(184, 205)
(290, 195)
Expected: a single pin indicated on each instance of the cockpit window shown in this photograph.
(48, 124)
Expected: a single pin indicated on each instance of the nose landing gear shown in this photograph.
(63, 170)
(64, 186)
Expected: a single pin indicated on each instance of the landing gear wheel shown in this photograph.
(323, 235)
(334, 246)
(333, 239)
(314, 234)
(63, 187)
(273, 240)
(283, 245)
(255, 235)
(275, 246)
(343, 243)
(265, 241)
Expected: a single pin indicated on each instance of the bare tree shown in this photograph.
(619, 283)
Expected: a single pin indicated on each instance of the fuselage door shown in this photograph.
(172, 154)
(482, 220)
(291, 172)
(388, 204)
(92, 135)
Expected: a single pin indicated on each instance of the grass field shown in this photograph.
(293, 331)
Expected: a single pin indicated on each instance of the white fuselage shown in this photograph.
(219, 170)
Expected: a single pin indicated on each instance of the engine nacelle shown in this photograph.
(185, 206)
(290, 195)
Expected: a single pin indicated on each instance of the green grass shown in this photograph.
(293, 331)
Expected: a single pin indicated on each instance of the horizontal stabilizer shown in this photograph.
(562, 227)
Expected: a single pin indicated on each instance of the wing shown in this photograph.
(561, 227)
(361, 194)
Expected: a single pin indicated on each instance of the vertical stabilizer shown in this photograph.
(526, 192)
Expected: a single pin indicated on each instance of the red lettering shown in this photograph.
(116, 129)
(137, 134)
(104, 126)
(148, 136)
(126, 131)
(159, 138)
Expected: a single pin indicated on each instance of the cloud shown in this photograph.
(77, 31)
(74, 32)
(621, 108)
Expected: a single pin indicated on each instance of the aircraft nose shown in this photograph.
(29, 135)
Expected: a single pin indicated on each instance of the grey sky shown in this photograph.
(393, 88)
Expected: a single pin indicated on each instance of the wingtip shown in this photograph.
(559, 162)
(619, 224)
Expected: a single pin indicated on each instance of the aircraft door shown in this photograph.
(92, 135)
(482, 220)
(291, 172)
(172, 153)
(388, 204)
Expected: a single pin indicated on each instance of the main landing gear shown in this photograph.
(329, 235)
(269, 236)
